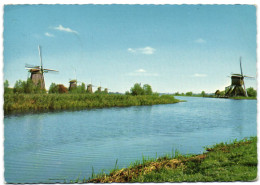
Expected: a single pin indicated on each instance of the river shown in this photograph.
(70, 144)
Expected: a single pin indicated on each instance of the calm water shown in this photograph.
(64, 145)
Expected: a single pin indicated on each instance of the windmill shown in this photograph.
(37, 72)
(89, 87)
(73, 83)
(237, 87)
(100, 89)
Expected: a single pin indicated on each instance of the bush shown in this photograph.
(251, 92)
(189, 93)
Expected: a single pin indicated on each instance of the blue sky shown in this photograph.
(171, 47)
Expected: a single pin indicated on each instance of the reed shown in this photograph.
(22, 103)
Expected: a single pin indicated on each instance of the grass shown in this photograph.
(236, 161)
(22, 103)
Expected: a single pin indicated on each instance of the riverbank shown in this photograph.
(234, 98)
(23, 103)
(236, 161)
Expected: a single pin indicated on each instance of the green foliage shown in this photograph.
(177, 94)
(53, 88)
(27, 87)
(137, 90)
(52, 101)
(127, 93)
(19, 86)
(203, 93)
(251, 92)
(226, 162)
(6, 84)
(147, 89)
(189, 93)
(7, 90)
(236, 161)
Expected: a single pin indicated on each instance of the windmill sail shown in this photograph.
(243, 77)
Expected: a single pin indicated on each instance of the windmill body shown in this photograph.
(73, 84)
(237, 87)
(37, 77)
(37, 72)
(89, 88)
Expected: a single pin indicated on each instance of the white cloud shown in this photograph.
(131, 50)
(49, 34)
(146, 50)
(200, 75)
(142, 72)
(61, 28)
(200, 41)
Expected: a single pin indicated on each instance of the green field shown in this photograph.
(22, 103)
(236, 161)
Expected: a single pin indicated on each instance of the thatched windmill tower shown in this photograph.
(237, 87)
(37, 72)
(73, 84)
(89, 88)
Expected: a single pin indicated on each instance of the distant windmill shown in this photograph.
(237, 87)
(89, 87)
(37, 72)
(105, 89)
(73, 83)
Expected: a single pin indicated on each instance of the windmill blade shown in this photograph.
(241, 67)
(249, 76)
(40, 54)
(31, 66)
(235, 74)
(50, 70)
(243, 76)
(28, 68)
(245, 89)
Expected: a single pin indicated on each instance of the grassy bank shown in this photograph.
(20, 103)
(236, 161)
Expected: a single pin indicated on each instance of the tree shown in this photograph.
(53, 88)
(177, 94)
(62, 88)
(81, 88)
(30, 87)
(251, 92)
(203, 93)
(137, 90)
(7, 90)
(217, 93)
(189, 93)
(127, 93)
(19, 86)
(147, 89)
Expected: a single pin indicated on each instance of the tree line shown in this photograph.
(251, 92)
